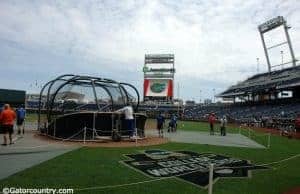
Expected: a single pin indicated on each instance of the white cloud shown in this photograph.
(214, 42)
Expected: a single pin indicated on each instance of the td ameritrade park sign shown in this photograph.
(189, 166)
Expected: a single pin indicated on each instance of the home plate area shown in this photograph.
(189, 166)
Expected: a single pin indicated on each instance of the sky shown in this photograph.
(216, 43)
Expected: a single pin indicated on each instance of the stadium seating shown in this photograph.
(265, 81)
(245, 112)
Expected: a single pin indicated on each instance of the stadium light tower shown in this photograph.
(178, 91)
(270, 25)
(200, 97)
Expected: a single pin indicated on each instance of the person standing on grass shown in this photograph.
(7, 118)
(223, 125)
(160, 120)
(211, 120)
(173, 124)
(21, 113)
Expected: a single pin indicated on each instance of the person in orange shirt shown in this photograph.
(7, 118)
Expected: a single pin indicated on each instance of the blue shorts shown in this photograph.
(130, 126)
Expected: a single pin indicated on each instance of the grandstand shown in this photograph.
(270, 99)
(260, 99)
(266, 86)
(245, 112)
(32, 101)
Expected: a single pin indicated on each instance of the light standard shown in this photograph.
(178, 91)
(200, 97)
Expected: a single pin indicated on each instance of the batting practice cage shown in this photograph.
(82, 108)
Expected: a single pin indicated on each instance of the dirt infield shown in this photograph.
(129, 143)
(148, 141)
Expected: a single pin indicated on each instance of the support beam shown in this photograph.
(289, 43)
(266, 51)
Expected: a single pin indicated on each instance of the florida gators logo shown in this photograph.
(158, 87)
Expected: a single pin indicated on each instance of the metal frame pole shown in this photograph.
(95, 95)
(289, 43)
(84, 135)
(269, 140)
(54, 127)
(94, 124)
(173, 75)
(136, 134)
(211, 178)
(118, 123)
(112, 123)
(47, 127)
(265, 49)
(145, 75)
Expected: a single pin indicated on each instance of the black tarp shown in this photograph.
(70, 124)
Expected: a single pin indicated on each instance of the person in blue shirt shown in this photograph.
(174, 119)
(21, 114)
(160, 124)
(172, 124)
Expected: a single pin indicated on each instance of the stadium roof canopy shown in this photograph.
(288, 78)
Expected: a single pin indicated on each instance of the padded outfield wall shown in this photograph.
(13, 97)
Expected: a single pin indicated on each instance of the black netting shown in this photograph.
(72, 125)
(72, 103)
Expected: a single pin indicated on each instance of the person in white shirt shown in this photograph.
(129, 119)
(223, 125)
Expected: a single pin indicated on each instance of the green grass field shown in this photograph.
(33, 117)
(92, 167)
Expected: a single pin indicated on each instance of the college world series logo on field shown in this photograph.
(189, 166)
